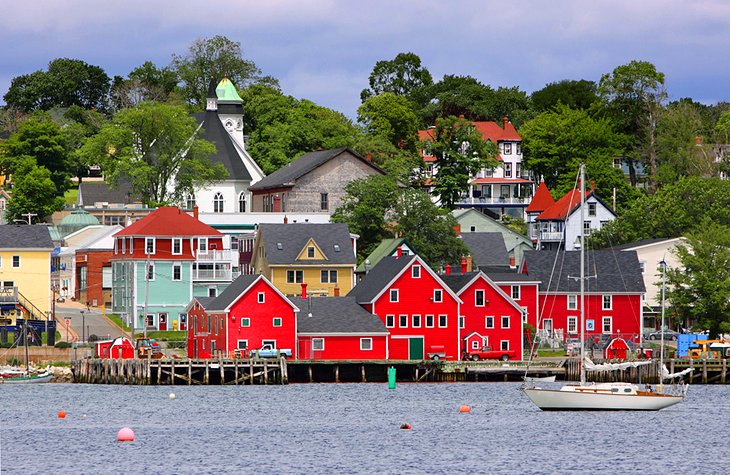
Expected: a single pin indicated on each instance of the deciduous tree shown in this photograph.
(392, 117)
(574, 94)
(34, 192)
(402, 76)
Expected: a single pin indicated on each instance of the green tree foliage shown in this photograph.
(699, 292)
(79, 124)
(556, 142)
(672, 211)
(460, 153)
(212, 59)
(34, 192)
(67, 82)
(145, 83)
(400, 163)
(45, 142)
(574, 94)
(681, 150)
(633, 95)
(402, 76)
(156, 148)
(392, 117)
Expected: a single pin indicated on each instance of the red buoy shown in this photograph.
(62, 414)
(464, 408)
(125, 435)
(405, 426)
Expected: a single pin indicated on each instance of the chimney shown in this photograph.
(457, 229)
(304, 290)
(195, 211)
(447, 269)
(698, 140)
(469, 263)
(286, 220)
(512, 261)
(337, 291)
(463, 265)
(505, 121)
(369, 157)
(593, 185)
(399, 252)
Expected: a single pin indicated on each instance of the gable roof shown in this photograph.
(646, 243)
(335, 315)
(288, 175)
(617, 272)
(168, 221)
(490, 130)
(24, 236)
(541, 201)
(226, 153)
(236, 288)
(487, 249)
(568, 204)
(294, 236)
(459, 283)
(385, 248)
(91, 192)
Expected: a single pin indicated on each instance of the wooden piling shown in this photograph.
(235, 370)
(206, 378)
(362, 373)
(266, 372)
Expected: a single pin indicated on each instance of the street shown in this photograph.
(90, 322)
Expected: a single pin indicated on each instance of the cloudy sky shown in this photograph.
(324, 50)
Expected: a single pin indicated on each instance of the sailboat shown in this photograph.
(14, 376)
(614, 396)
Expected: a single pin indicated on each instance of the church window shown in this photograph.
(218, 203)
(242, 202)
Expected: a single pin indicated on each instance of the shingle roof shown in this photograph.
(287, 175)
(205, 301)
(226, 153)
(231, 293)
(17, 236)
(168, 221)
(487, 249)
(385, 248)
(614, 271)
(376, 280)
(335, 315)
(284, 242)
(91, 192)
(456, 282)
(564, 206)
(541, 201)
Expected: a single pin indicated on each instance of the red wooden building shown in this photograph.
(419, 310)
(93, 276)
(118, 348)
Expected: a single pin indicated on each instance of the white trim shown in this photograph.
(366, 339)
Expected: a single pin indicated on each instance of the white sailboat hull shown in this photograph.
(599, 398)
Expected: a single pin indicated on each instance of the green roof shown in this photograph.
(79, 217)
(226, 91)
(384, 249)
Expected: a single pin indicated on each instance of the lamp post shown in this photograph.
(83, 326)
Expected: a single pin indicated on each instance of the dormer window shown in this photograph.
(310, 252)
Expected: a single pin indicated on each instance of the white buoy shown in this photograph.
(172, 396)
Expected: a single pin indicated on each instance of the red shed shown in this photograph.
(118, 348)
(617, 349)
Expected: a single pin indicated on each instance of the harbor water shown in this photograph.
(347, 428)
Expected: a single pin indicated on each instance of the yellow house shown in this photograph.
(319, 255)
(25, 272)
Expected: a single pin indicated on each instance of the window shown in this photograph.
(294, 276)
(572, 324)
(16, 261)
(124, 246)
(518, 148)
(517, 171)
(515, 292)
(591, 209)
(587, 228)
(176, 271)
(390, 321)
(218, 202)
(328, 276)
(317, 344)
(479, 298)
(149, 245)
(393, 295)
(366, 344)
(572, 302)
(403, 321)
(262, 297)
(245, 322)
(488, 322)
(504, 345)
(475, 345)
(242, 344)
(416, 321)
(202, 244)
(242, 202)
(443, 321)
(607, 324)
(324, 204)
(416, 272)
(277, 321)
(642, 266)
(438, 295)
(473, 229)
(176, 246)
(462, 322)
(607, 302)
(151, 271)
(507, 148)
(429, 321)
(310, 252)
(507, 170)
(212, 292)
(190, 202)
(505, 322)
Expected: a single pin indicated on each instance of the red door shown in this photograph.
(163, 321)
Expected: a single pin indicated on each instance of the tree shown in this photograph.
(574, 94)
(400, 163)
(34, 192)
(392, 117)
(79, 124)
(144, 83)
(633, 94)
(67, 82)
(212, 59)
(460, 153)
(699, 291)
(679, 144)
(156, 148)
(402, 76)
(44, 141)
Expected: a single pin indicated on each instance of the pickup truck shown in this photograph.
(268, 351)
(486, 353)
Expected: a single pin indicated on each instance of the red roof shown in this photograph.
(562, 208)
(542, 199)
(168, 221)
(501, 180)
(490, 131)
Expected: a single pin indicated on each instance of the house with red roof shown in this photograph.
(541, 201)
(160, 262)
(558, 225)
(506, 189)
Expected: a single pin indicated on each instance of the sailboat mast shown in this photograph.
(25, 340)
(661, 347)
(582, 276)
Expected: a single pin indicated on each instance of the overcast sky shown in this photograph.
(324, 50)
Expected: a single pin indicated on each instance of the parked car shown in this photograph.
(668, 335)
(268, 351)
(486, 353)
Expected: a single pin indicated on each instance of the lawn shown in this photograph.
(71, 195)
(118, 321)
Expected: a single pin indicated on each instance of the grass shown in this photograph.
(550, 352)
(44, 338)
(118, 321)
(71, 195)
(168, 335)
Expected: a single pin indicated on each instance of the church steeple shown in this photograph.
(212, 98)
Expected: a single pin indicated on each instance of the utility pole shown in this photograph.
(29, 215)
(146, 290)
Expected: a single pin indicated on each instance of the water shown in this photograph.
(348, 428)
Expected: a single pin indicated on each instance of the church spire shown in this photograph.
(212, 99)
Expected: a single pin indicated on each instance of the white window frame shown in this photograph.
(610, 302)
(609, 321)
(443, 321)
(261, 297)
(150, 242)
(504, 345)
(438, 295)
(366, 344)
(245, 322)
(317, 344)
(591, 209)
(273, 322)
(202, 244)
(176, 242)
(572, 325)
(150, 269)
(242, 202)
(475, 345)
(515, 292)
(572, 302)
(218, 202)
(462, 322)
(245, 344)
(489, 321)
(390, 321)
(393, 293)
(430, 319)
(415, 321)
(476, 298)
(505, 318)
(402, 318)
(177, 266)
(416, 272)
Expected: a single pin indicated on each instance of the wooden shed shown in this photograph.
(118, 348)
(617, 349)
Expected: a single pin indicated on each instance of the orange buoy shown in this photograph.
(61, 414)
(405, 426)
(464, 408)
(125, 434)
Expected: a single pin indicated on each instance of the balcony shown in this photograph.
(551, 236)
(214, 274)
(484, 200)
(214, 255)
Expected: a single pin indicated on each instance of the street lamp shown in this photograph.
(83, 327)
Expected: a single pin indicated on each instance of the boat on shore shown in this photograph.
(14, 376)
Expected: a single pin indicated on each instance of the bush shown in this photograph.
(63, 344)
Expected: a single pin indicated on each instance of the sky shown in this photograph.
(324, 50)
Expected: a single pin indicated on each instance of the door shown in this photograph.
(183, 322)
(415, 348)
(163, 321)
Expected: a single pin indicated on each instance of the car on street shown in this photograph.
(669, 335)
